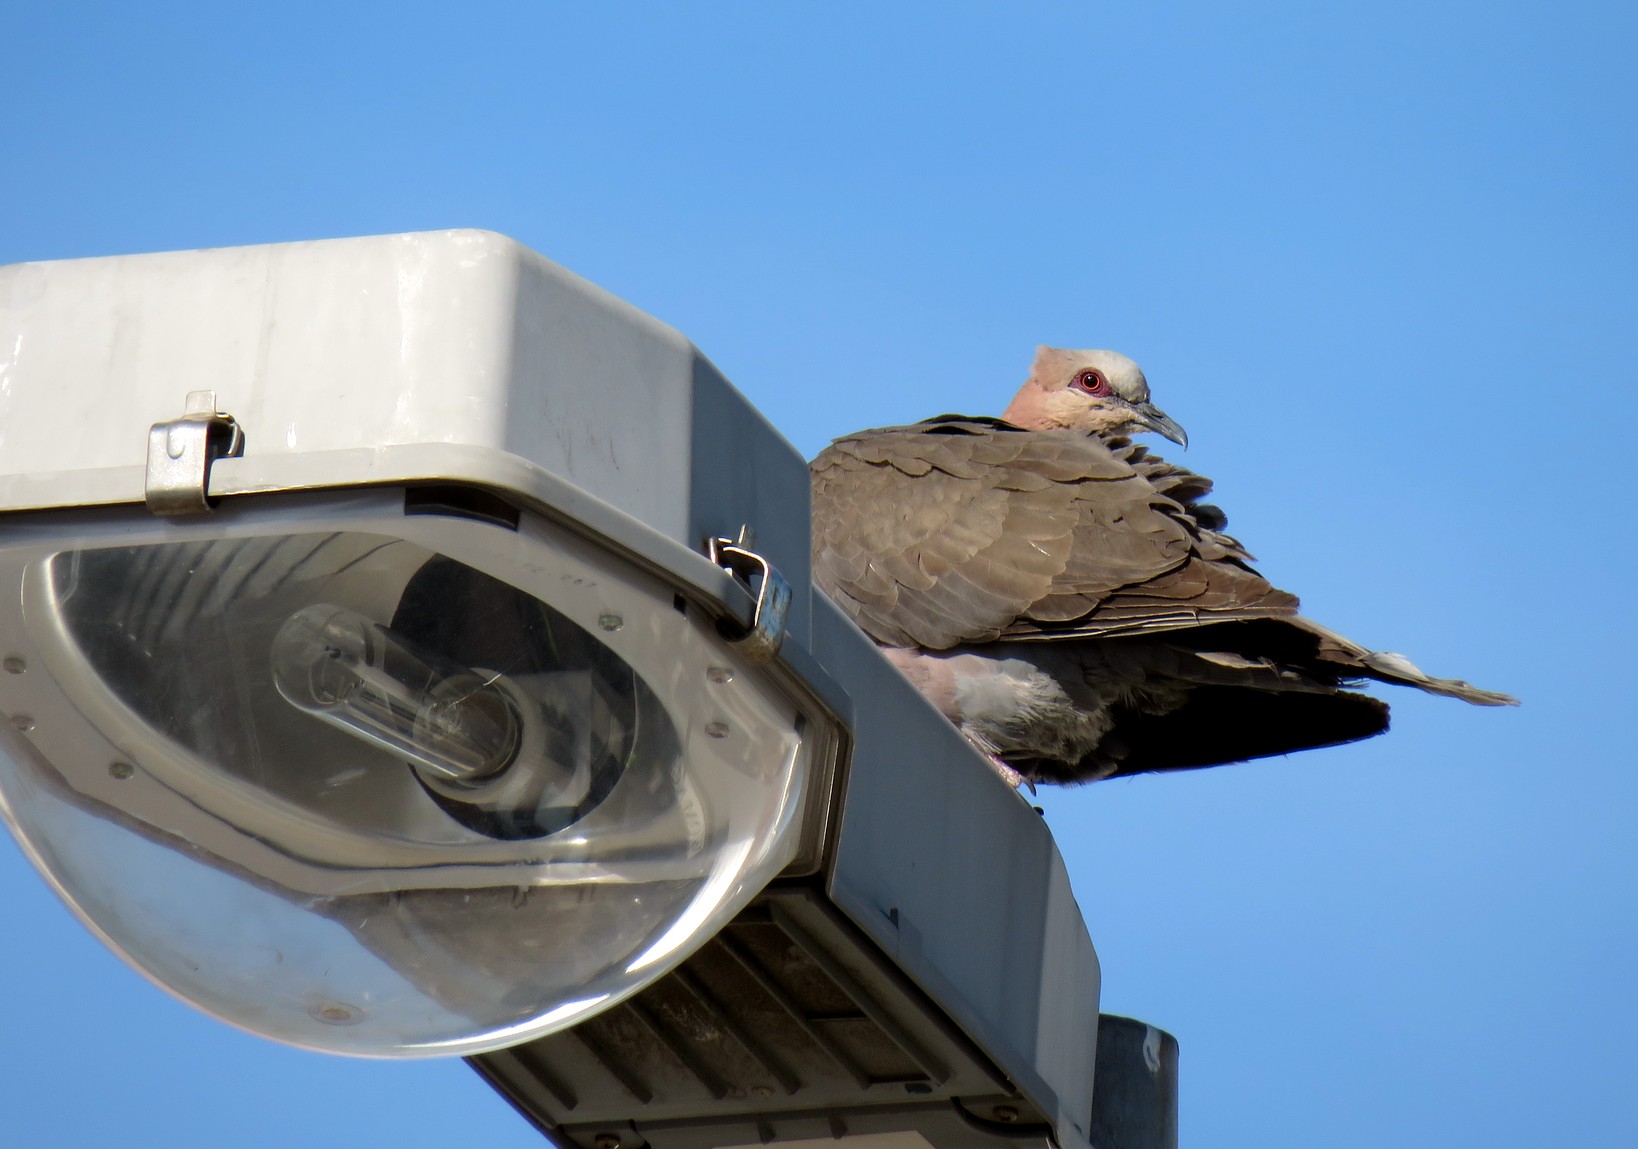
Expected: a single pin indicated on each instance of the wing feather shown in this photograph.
(961, 530)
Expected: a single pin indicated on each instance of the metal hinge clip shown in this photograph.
(180, 452)
(773, 594)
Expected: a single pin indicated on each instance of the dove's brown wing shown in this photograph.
(966, 531)
(959, 531)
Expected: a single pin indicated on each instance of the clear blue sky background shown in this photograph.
(1379, 259)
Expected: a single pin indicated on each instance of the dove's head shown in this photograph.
(1101, 391)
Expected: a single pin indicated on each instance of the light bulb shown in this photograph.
(379, 686)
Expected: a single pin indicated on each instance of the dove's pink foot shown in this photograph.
(1008, 775)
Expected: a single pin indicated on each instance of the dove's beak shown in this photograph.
(1152, 418)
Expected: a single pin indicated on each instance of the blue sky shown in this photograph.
(1380, 260)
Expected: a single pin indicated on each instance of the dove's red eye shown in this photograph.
(1092, 383)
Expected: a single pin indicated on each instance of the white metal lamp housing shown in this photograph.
(384, 702)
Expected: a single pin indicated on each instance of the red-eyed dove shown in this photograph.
(1063, 596)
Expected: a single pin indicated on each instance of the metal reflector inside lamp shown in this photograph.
(380, 784)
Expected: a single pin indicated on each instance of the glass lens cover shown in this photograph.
(387, 785)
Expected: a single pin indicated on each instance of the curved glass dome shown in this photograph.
(342, 788)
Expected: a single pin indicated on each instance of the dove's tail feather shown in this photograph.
(1385, 666)
(1389, 667)
(1253, 689)
(1220, 724)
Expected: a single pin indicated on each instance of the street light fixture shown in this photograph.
(412, 652)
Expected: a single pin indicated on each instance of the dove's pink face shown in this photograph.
(1098, 391)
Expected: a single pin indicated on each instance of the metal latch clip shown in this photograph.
(180, 452)
(773, 594)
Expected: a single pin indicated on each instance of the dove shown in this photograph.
(1066, 598)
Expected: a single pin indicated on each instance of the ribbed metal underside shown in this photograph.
(788, 1024)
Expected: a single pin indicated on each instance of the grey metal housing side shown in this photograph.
(991, 933)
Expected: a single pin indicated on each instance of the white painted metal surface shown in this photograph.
(354, 355)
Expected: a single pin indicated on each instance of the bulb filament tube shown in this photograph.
(380, 687)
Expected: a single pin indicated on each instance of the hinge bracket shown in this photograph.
(180, 452)
(773, 594)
